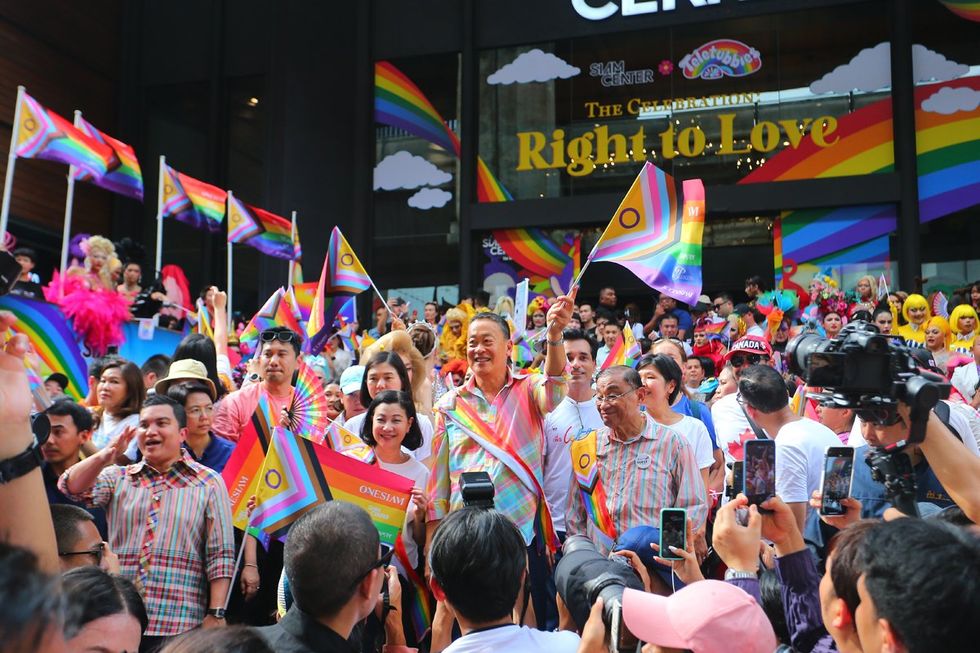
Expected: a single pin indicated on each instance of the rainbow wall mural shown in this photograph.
(948, 147)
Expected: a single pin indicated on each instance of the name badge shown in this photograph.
(643, 460)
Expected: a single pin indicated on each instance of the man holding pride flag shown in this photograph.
(495, 422)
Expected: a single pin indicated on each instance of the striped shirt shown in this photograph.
(172, 532)
(654, 470)
(518, 413)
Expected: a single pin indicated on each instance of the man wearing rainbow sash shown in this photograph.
(494, 423)
(628, 470)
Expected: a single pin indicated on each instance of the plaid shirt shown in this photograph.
(172, 532)
(522, 404)
(654, 470)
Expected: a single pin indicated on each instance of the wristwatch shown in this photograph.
(25, 462)
(736, 574)
(217, 613)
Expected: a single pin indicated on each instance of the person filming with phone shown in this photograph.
(630, 469)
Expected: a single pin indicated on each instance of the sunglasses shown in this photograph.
(281, 336)
(752, 359)
(96, 553)
(387, 551)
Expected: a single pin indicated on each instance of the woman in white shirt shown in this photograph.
(390, 427)
(121, 393)
(663, 378)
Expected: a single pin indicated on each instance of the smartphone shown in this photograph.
(738, 474)
(759, 471)
(673, 532)
(838, 472)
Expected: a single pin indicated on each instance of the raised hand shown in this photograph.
(15, 391)
(560, 314)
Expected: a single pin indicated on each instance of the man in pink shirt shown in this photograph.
(278, 358)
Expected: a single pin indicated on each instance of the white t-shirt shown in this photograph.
(756, 331)
(110, 427)
(730, 423)
(355, 423)
(561, 426)
(696, 434)
(515, 639)
(800, 450)
(417, 472)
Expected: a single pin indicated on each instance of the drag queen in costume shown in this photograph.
(916, 312)
(963, 326)
(87, 295)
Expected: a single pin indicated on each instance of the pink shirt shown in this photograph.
(237, 408)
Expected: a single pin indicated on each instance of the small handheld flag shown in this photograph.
(656, 234)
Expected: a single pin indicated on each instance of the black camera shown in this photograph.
(869, 373)
(10, 271)
(583, 575)
(477, 490)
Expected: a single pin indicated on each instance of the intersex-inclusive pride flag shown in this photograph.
(299, 475)
(192, 201)
(656, 234)
(43, 134)
(52, 339)
(243, 470)
(626, 351)
(123, 175)
(267, 232)
(277, 311)
(342, 276)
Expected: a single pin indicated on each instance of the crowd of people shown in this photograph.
(118, 535)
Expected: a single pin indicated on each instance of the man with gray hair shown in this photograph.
(336, 568)
(631, 468)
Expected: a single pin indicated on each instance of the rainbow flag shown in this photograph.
(52, 339)
(123, 175)
(342, 276)
(303, 296)
(203, 325)
(300, 475)
(43, 134)
(244, 468)
(400, 103)
(656, 234)
(192, 201)
(263, 319)
(969, 9)
(626, 351)
(267, 232)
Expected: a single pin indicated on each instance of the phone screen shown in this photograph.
(759, 476)
(838, 468)
(673, 531)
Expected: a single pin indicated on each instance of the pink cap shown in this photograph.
(709, 616)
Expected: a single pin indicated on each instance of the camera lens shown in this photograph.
(798, 351)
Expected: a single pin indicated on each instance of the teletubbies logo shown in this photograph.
(721, 58)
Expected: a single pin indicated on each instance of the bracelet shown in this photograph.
(251, 564)
(555, 343)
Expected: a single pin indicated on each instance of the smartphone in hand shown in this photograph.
(759, 471)
(673, 532)
(838, 472)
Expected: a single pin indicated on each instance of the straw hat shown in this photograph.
(185, 370)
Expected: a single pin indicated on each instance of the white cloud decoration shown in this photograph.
(533, 66)
(948, 100)
(870, 70)
(406, 170)
(429, 198)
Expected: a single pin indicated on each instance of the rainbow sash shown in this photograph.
(419, 603)
(465, 416)
(584, 459)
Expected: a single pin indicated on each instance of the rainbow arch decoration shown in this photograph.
(948, 156)
(398, 102)
(969, 9)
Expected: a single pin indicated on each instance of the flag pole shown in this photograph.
(159, 258)
(69, 204)
(8, 182)
(292, 262)
(230, 254)
(384, 302)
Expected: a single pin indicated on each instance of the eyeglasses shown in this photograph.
(740, 400)
(197, 411)
(752, 359)
(96, 553)
(611, 399)
(281, 336)
(386, 553)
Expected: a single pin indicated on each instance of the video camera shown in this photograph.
(583, 575)
(870, 373)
